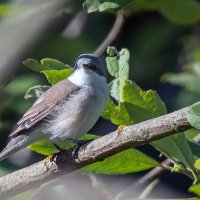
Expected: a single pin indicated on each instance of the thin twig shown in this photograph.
(158, 171)
(97, 150)
(112, 34)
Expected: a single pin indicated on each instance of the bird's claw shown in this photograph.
(120, 128)
(47, 160)
(75, 150)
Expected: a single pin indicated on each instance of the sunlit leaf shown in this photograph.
(197, 164)
(195, 189)
(138, 105)
(54, 76)
(46, 147)
(49, 63)
(128, 161)
(45, 64)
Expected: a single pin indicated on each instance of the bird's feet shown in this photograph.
(74, 153)
(55, 156)
(79, 144)
(120, 128)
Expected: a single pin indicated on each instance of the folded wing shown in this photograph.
(47, 103)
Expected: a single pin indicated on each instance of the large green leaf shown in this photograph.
(195, 189)
(177, 148)
(148, 100)
(46, 147)
(45, 64)
(177, 11)
(137, 106)
(117, 114)
(54, 76)
(128, 161)
(193, 115)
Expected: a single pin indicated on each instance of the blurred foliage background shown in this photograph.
(164, 42)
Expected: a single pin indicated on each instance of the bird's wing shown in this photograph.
(45, 105)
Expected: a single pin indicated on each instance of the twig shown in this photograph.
(158, 171)
(97, 150)
(112, 34)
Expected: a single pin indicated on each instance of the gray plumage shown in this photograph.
(66, 110)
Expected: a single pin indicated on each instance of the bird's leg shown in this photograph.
(120, 128)
(79, 144)
(54, 157)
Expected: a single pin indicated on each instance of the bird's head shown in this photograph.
(89, 62)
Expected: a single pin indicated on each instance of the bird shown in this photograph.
(66, 111)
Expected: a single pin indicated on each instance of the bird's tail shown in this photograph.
(15, 144)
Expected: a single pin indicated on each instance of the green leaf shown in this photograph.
(177, 148)
(91, 5)
(103, 5)
(147, 100)
(118, 67)
(113, 66)
(36, 91)
(138, 105)
(46, 147)
(49, 63)
(128, 161)
(188, 80)
(33, 64)
(124, 57)
(54, 76)
(197, 164)
(193, 115)
(177, 11)
(195, 189)
(108, 6)
(45, 64)
(135, 105)
(114, 87)
(117, 114)
(181, 11)
(195, 147)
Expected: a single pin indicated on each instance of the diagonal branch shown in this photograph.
(99, 149)
(112, 34)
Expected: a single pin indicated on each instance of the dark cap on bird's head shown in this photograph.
(89, 61)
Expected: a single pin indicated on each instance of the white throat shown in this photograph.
(86, 77)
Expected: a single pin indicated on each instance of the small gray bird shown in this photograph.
(66, 111)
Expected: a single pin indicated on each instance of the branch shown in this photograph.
(97, 150)
(112, 34)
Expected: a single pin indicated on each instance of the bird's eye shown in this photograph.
(93, 67)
